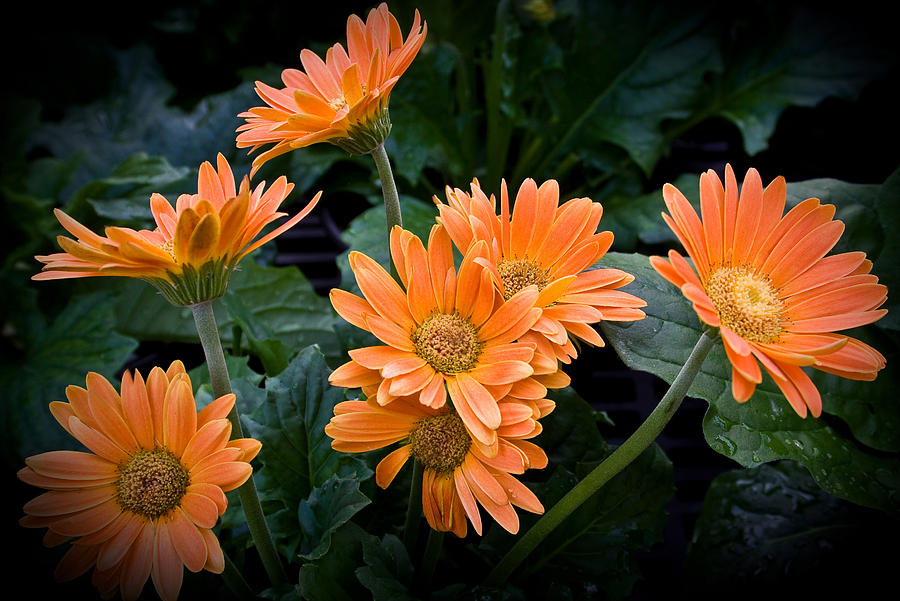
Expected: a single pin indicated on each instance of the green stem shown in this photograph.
(388, 188)
(413, 509)
(609, 467)
(429, 562)
(205, 320)
(235, 581)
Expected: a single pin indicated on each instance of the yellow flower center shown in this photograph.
(747, 303)
(152, 483)
(517, 274)
(440, 443)
(448, 342)
(337, 103)
(169, 247)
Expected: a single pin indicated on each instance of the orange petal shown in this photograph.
(71, 465)
(187, 540)
(179, 417)
(388, 467)
(167, 571)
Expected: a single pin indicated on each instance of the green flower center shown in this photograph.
(747, 303)
(448, 342)
(152, 483)
(517, 274)
(440, 443)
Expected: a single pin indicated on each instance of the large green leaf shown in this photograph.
(328, 507)
(597, 542)
(368, 234)
(424, 132)
(771, 528)
(765, 428)
(136, 117)
(274, 303)
(792, 56)
(328, 578)
(654, 60)
(124, 195)
(55, 355)
(870, 213)
(297, 457)
(388, 571)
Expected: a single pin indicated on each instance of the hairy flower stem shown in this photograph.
(627, 452)
(413, 509)
(432, 553)
(205, 320)
(390, 194)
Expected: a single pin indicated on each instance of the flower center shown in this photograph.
(152, 483)
(440, 443)
(517, 274)
(337, 103)
(448, 342)
(747, 303)
(169, 247)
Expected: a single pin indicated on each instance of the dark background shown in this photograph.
(58, 55)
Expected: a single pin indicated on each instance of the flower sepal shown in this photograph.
(365, 137)
(195, 285)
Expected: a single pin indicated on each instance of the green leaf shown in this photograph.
(327, 579)
(654, 59)
(635, 219)
(388, 571)
(764, 428)
(328, 507)
(124, 195)
(570, 433)
(275, 303)
(297, 457)
(797, 56)
(424, 132)
(870, 213)
(771, 528)
(368, 234)
(597, 542)
(274, 354)
(136, 117)
(56, 355)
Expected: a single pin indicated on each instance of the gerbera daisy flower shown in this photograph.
(459, 472)
(443, 331)
(190, 255)
(142, 501)
(343, 99)
(765, 281)
(551, 246)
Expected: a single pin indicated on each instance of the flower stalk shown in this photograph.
(205, 320)
(413, 509)
(627, 452)
(388, 188)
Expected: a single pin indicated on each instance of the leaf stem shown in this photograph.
(609, 467)
(413, 510)
(205, 320)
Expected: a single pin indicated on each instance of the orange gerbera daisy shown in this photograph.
(551, 246)
(144, 499)
(194, 248)
(459, 471)
(343, 99)
(765, 281)
(444, 334)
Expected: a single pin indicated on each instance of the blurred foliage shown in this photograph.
(610, 98)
